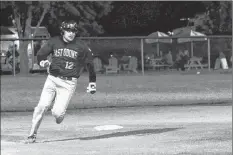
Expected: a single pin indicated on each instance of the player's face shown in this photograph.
(69, 35)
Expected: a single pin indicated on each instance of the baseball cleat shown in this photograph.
(31, 139)
(59, 119)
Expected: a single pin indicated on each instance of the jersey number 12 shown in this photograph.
(69, 65)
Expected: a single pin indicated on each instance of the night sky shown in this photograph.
(113, 27)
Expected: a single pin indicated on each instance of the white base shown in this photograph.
(108, 127)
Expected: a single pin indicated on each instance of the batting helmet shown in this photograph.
(70, 25)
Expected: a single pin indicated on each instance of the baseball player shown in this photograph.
(69, 57)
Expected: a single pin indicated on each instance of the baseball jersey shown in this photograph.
(68, 59)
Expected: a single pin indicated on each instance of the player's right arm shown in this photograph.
(44, 52)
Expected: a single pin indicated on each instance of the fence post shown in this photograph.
(208, 53)
(32, 46)
(142, 57)
(191, 48)
(13, 58)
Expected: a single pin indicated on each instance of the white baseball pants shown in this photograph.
(57, 91)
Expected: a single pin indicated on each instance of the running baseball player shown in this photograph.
(69, 57)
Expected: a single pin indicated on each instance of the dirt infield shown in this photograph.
(22, 93)
(166, 130)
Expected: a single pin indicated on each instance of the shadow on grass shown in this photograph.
(119, 134)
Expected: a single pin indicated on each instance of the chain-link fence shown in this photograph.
(10, 54)
(135, 54)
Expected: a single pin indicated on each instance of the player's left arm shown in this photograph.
(92, 74)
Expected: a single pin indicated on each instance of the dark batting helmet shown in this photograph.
(70, 25)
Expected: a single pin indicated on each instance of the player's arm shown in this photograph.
(90, 66)
(92, 74)
(43, 54)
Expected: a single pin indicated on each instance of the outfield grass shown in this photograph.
(22, 93)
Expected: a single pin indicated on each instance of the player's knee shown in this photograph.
(59, 115)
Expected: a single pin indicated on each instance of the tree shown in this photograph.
(87, 14)
(25, 13)
(126, 17)
(217, 18)
(136, 13)
(145, 17)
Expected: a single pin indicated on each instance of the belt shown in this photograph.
(64, 78)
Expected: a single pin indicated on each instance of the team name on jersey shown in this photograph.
(65, 52)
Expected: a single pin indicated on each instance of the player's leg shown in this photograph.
(64, 92)
(46, 99)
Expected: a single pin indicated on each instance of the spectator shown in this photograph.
(183, 60)
(168, 58)
(178, 58)
(9, 55)
(221, 61)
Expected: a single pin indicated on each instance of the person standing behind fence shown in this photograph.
(178, 59)
(9, 56)
(221, 61)
(183, 60)
(168, 58)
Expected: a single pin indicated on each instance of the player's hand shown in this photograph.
(91, 88)
(45, 63)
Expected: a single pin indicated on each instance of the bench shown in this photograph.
(194, 62)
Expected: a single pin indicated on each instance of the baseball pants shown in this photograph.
(57, 91)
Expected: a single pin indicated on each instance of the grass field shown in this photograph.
(22, 93)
